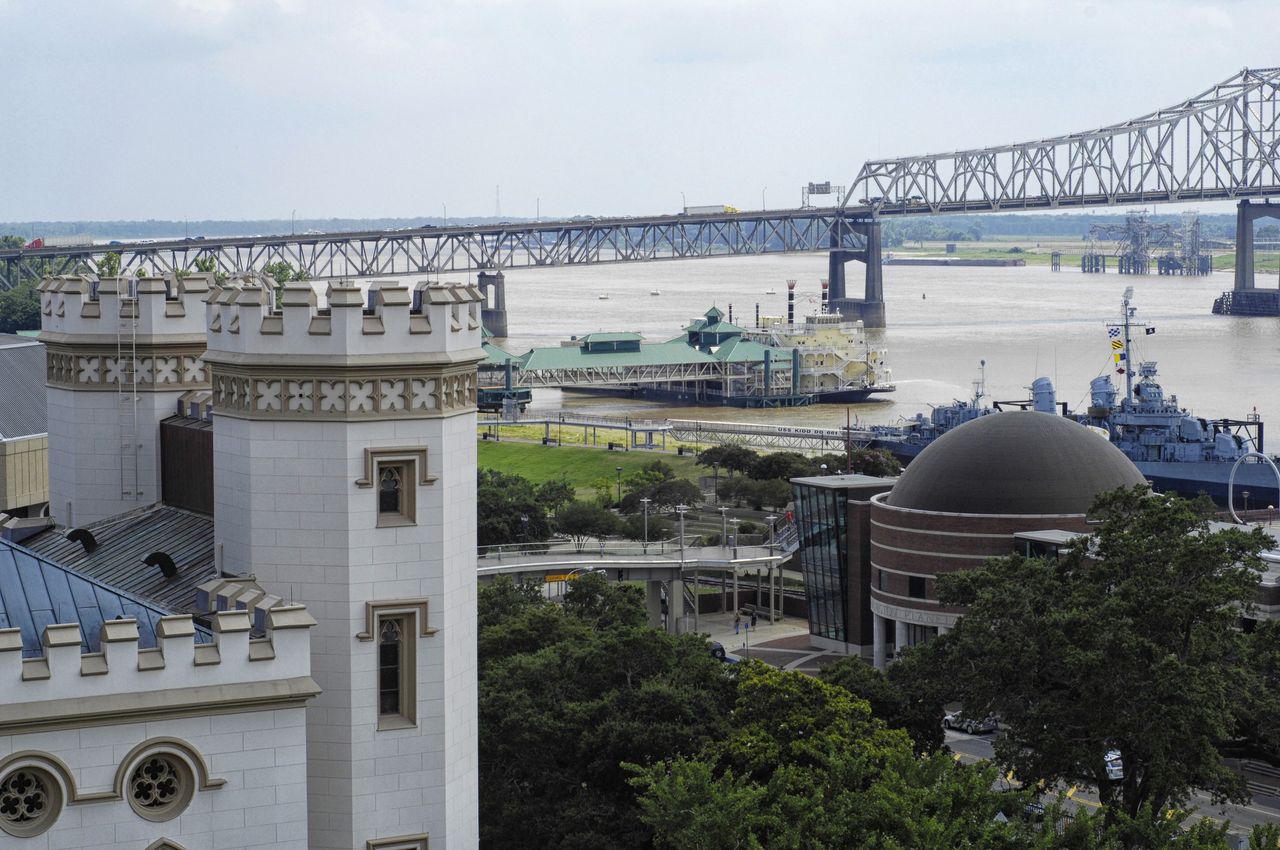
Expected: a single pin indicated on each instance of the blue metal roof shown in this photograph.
(36, 592)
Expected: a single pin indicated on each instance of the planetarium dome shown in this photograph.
(1021, 462)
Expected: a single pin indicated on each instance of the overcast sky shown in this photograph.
(196, 109)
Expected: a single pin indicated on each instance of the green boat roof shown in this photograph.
(652, 354)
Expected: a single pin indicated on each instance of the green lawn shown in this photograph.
(581, 466)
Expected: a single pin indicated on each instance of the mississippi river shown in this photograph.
(1025, 322)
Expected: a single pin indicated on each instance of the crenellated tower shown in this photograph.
(121, 351)
(344, 457)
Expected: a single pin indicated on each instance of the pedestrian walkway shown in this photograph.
(784, 644)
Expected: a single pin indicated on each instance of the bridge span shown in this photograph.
(1221, 144)
(664, 567)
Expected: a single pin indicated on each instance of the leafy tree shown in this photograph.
(677, 491)
(1258, 735)
(109, 265)
(508, 510)
(556, 494)
(878, 462)
(895, 697)
(19, 309)
(806, 767)
(784, 465)
(660, 528)
(581, 521)
(283, 272)
(210, 264)
(729, 457)
(1129, 642)
(8, 242)
(568, 693)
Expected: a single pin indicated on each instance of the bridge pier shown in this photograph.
(653, 603)
(1245, 299)
(870, 308)
(493, 314)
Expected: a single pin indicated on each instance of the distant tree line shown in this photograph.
(761, 481)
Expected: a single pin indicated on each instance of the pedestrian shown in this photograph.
(753, 619)
(737, 623)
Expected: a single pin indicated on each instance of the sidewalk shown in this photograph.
(783, 644)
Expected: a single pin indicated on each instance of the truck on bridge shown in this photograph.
(710, 209)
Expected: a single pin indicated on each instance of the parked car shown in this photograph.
(719, 653)
(973, 725)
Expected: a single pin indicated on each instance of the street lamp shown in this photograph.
(1245, 493)
(618, 469)
(724, 526)
(645, 505)
(762, 204)
(773, 551)
(823, 467)
(681, 510)
(684, 205)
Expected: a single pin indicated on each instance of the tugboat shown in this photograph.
(1176, 450)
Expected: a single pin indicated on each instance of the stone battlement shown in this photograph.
(177, 662)
(252, 316)
(166, 309)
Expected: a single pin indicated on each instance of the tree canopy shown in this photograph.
(567, 694)
(509, 509)
(1128, 643)
(19, 309)
(581, 521)
(806, 767)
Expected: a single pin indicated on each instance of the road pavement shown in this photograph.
(1262, 809)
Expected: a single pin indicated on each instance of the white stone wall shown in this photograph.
(85, 453)
(288, 511)
(86, 423)
(233, 711)
(261, 756)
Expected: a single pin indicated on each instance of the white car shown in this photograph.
(972, 725)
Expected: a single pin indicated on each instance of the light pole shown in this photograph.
(684, 205)
(763, 207)
(681, 510)
(724, 526)
(1245, 493)
(618, 469)
(823, 467)
(645, 504)
(445, 208)
(773, 550)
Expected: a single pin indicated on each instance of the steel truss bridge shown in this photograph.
(441, 250)
(1221, 144)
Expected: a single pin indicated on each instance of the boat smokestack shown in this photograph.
(757, 314)
(1044, 399)
(826, 293)
(791, 302)
(731, 314)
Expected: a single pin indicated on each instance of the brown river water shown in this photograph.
(1025, 322)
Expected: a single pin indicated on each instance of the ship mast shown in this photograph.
(1128, 362)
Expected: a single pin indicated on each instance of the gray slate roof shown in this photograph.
(22, 393)
(36, 592)
(123, 543)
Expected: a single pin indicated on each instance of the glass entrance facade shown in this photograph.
(821, 516)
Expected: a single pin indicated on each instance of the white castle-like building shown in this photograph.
(324, 694)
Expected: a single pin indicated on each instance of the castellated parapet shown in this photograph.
(130, 747)
(87, 325)
(385, 351)
(176, 663)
